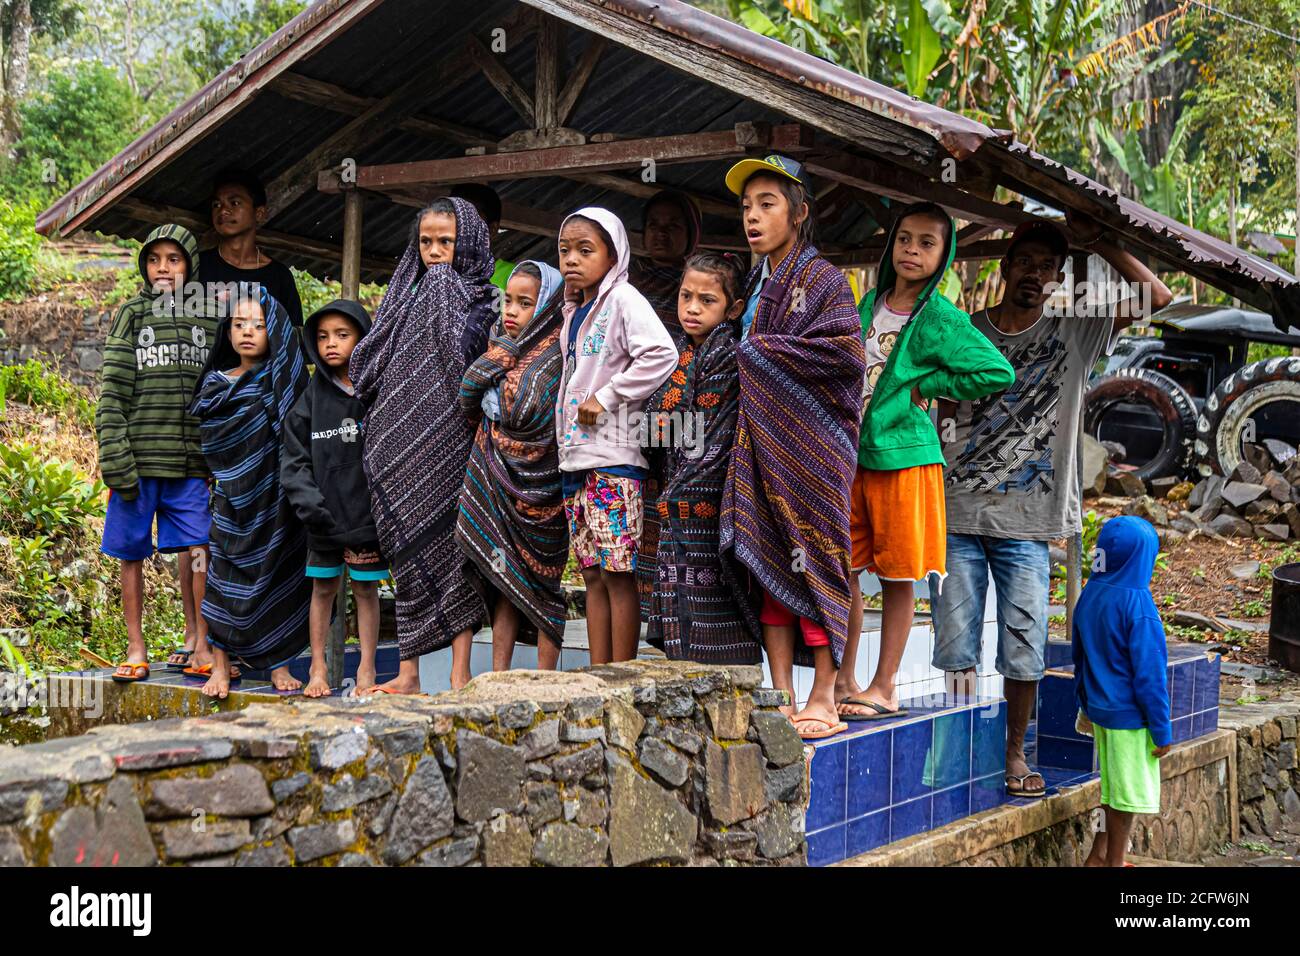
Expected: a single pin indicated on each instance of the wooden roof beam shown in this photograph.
(870, 253)
(882, 179)
(330, 96)
(148, 211)
(592, 157)
(490, 66)
(635, 187)
(396, 106)
(576, 82)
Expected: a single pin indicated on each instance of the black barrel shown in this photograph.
(1284, 623)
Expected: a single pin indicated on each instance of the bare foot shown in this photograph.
(398, 685)
(1017, 767)
(862, 710)
(202, 655)
(317, 685)
(281, 679)
(218, 684)
(815, 719)
(365, 680)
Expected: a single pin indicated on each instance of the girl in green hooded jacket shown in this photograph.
(919, 347)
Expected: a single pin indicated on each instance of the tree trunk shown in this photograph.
(15, 74)
(1170, 82)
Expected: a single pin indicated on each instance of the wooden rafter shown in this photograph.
(869, 253)
(383, 113)
(635, 187)
(576, 82)
(561, 160)
(974, 230)
(490, 66)
(154, 212)
(546, 77)
(333, 97)
(874, 178)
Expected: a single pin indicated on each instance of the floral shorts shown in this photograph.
(605, 521)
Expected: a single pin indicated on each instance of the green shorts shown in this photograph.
(1130, 775)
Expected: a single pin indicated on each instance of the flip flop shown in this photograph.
(881, 711)
(1020, 779)
(380, 689)
(830, 731)
(206, 671)
(129, 673)
(179, 665)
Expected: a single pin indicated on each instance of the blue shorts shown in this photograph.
(1021, 575)
(181, 506)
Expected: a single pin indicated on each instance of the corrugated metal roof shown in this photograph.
(647, 83)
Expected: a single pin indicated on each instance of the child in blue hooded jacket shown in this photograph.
(1120, 666)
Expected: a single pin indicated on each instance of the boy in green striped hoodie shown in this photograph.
(149, 443)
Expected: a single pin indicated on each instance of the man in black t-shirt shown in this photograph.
(238, 209)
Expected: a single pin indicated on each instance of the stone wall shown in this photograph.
(637, 763)
(68, 336)
(1267, 775)
(1197, 817)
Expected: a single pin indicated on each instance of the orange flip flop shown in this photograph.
(830, 731)
(129, 673)
(380, 689)
(206, 671)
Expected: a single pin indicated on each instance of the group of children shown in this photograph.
(723, 463)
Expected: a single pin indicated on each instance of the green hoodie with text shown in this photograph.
(155, 350)
(938, 351)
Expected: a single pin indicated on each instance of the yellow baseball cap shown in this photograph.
(739, 174)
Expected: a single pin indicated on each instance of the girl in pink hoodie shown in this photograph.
(616, 354)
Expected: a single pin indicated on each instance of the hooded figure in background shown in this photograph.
(432, 323)
(512, 527)
(257, 596)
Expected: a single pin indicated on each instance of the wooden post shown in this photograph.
(351, 283)
(351, 274)
(1074, 556)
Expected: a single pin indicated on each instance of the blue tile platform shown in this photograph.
(884, 780)
(1193, 676)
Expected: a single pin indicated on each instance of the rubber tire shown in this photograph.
(1171, 404)
(1219, 426)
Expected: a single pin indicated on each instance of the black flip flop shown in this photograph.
(181, 666)
(1021, 778)
(881, 711)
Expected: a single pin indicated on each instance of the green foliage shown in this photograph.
(19, 243)
(1158, 186)
(81, 118)
(1258, 351)
(922, 47)
(1254, 608)
(315, 293)
(227, 30)
(32, 383)
(44, 499)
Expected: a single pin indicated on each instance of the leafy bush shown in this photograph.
(44, 498)
(32, 383)
(82, 116)
(315, 293)
(19, 242)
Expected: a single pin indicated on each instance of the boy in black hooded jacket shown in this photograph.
(321, 471)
